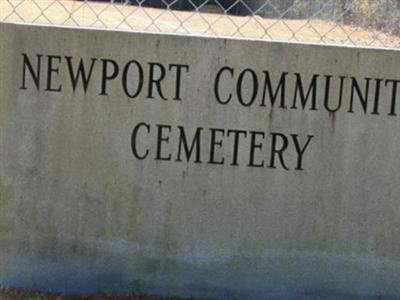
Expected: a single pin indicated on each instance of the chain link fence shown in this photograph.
(373, 23)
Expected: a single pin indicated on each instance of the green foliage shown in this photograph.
(37, 296)
(137, 286)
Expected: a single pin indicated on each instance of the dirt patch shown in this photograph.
(9, 294)
(129, 17)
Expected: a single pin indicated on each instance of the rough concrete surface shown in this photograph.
(80, 213)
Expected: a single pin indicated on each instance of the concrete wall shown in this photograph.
(278, 200)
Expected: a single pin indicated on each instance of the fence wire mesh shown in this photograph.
(353, 22)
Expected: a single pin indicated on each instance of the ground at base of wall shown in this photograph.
(9, 294)
(129, 17)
